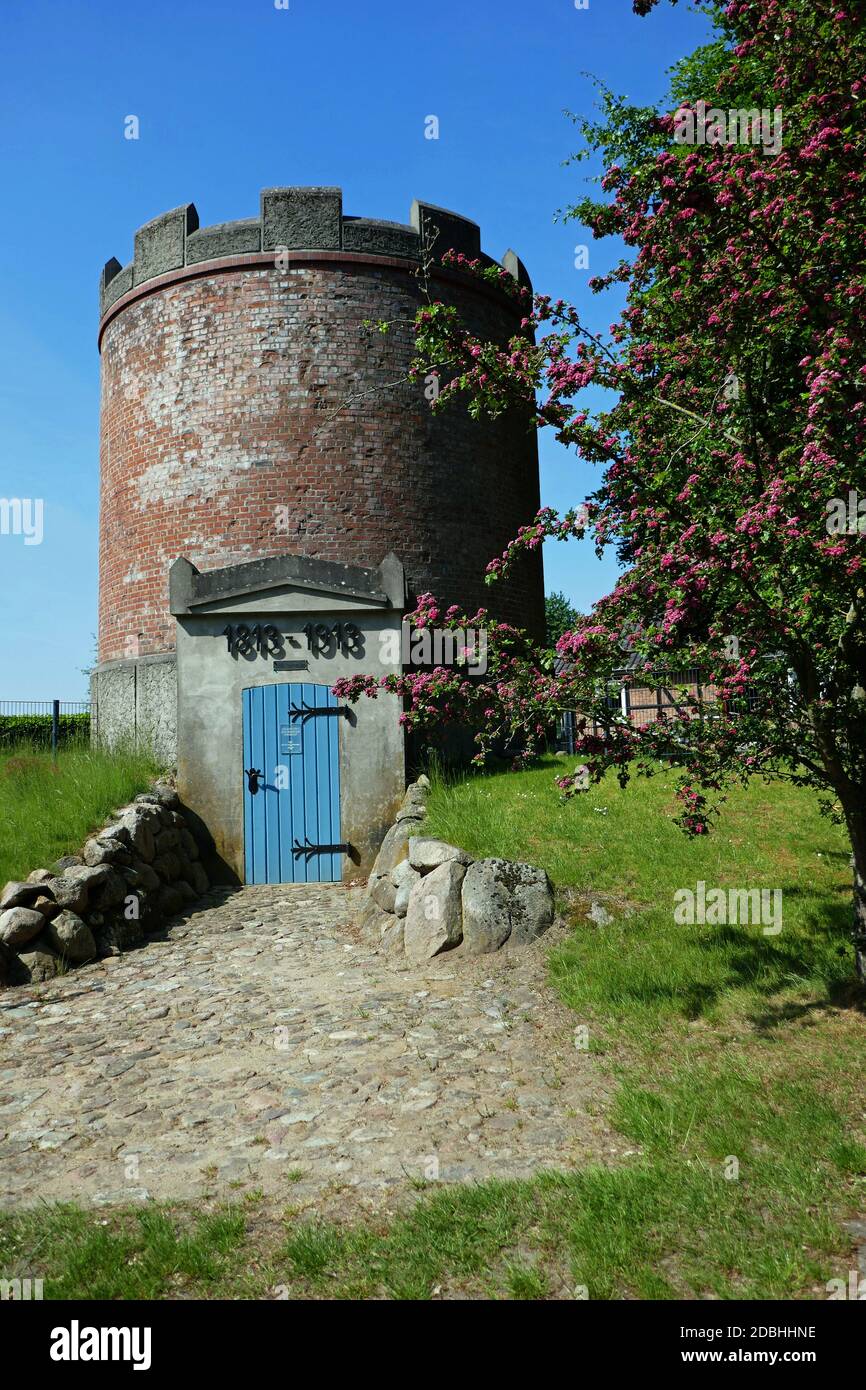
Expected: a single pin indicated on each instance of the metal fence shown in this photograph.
(44, 722)
(22, 709)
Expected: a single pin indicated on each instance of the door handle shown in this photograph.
(253, 775)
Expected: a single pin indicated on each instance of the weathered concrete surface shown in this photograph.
(260, 1038)
(302, 217)
(159, 244)
(136, 698)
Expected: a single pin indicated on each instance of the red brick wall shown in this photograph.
(229, 396)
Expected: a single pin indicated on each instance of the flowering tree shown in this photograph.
(732, 453)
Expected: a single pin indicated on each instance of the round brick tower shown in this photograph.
(248, 411)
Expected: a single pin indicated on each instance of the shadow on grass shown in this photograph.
(645, 962)
(816, 953)
(846, 996)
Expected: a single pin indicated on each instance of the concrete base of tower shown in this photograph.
(294, 785)
(134, 700)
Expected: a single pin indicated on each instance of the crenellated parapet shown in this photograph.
(298, 220)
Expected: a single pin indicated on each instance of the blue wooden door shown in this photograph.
(292, 805)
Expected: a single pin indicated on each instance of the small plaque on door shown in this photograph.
(290, 739)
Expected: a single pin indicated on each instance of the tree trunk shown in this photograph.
(857, 828)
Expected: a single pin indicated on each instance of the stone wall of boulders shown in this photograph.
(425, 896)
(143, 868)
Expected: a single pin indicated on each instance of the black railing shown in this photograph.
(23, 708)
(44, 722)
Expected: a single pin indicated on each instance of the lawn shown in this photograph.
(48, 808)
(623, 849)
(739, 1059)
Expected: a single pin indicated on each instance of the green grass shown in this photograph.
(739, 1060)
(47, 808)
(147, 1254)
(625, 842)
(623, 848)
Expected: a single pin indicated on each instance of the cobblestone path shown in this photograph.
(260, 1044)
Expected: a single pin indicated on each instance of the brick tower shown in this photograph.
(249, 413)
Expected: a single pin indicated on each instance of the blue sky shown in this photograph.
(233, 96)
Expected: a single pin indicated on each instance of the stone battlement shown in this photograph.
(297, 219)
